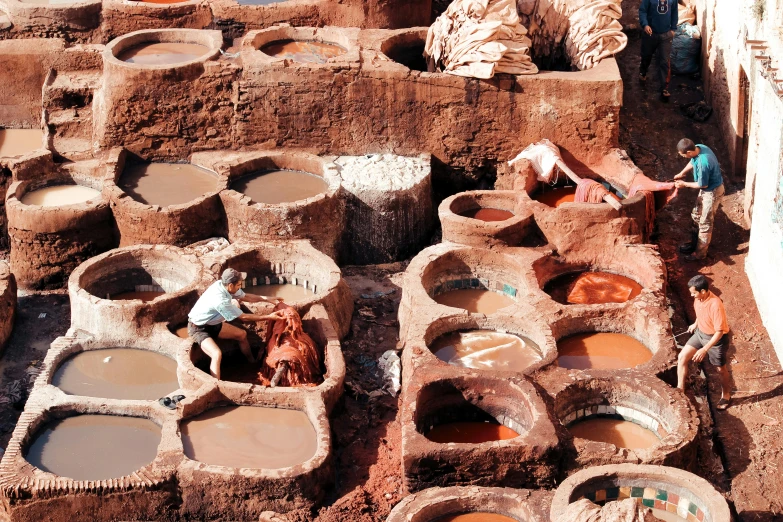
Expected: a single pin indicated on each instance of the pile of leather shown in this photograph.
(602, 288)
(286, 342)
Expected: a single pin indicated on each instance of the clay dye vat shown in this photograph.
(486, 350)
(289, 293)
(280, 186)
(250, 437)
(259, 2)
(470, 432)
(488, 214)
(621, 433)
(18, 142)
(478, 516)
(94, 447)
(60, 195)
(118, 373)
(592, 288)
(303, 51)
(162, 53)
(475, 301)
(601, 350)
(555, 196)
(166, 184)
(145, 295)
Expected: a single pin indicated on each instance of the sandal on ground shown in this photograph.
(168, 403)
(665, 93)
(723, 404)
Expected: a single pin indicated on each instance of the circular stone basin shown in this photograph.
(621, 433)
(555, 196)
(475, 301)
(94, 447)
(165, 184)
(470, 432)
(258, 2)
(588, 287)
(118, 373)
(18, 142)
(60, 195)
(162, 53)
(477, 516)
(602, 350)
(280, 186)
(486, 350)
(303, 51)
(142, 295)
(289, 293)
(487, 214)
(250, 437)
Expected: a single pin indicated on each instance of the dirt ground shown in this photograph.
(742, 453)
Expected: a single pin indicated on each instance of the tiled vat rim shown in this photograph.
(284, 275)
(657, 495)
(620, 413)
(447, 284)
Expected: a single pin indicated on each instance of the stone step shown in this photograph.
(71, 89)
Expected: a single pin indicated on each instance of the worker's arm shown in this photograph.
(689, 184)
(643, 15)
(688, 168)
(252, 318)
(675, 18)
(702, 352)
(253, 298)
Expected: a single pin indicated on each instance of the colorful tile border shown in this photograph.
(474, 283)
(618, 413)
(652, 498)
(281, 279)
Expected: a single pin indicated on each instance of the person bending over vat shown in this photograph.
(209, 317)
(292, 357)
(710, 337)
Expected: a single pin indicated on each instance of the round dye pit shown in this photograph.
(142, 295)
(165, 184)
(94, 447)
(601, 350)
(250, 437)
(162, 53)
(475, 300)
(60, 195)
(288, 293)
(18, 142)
(477, 516)
(555, 196)
(586, 287)
(280, 186)
(118, 373)
(487, 214)
(470, 432)
(621, 433)
(303, 51)
(486, 350)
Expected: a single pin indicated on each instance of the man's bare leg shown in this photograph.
(683, 360)
(230, 331)
(210, 347)
(725, 381)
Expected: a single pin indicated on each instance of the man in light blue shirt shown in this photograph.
(209, 317)
(708, 179)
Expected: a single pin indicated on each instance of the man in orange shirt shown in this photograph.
(710, 337)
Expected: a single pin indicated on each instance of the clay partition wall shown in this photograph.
(432, 504)
(635, 397)
(76, 21)
(7, 303)
(661, 487)
(140, 223)
(49, 242)
(294, 262)
(121, 17)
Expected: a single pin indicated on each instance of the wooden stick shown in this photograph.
(282, 367)
(576, 179)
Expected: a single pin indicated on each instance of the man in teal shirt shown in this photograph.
(708, 179)
(658, 20)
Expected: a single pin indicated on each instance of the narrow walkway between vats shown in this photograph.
(748, 433)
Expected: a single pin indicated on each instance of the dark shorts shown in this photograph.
(200, 333)
(716, 354)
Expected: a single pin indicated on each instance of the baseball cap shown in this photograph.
(231, 276)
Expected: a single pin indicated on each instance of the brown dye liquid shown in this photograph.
(470, 432)
(601, 350)
(475, 301)
(60, 195)
(250, 437)
(488, 214)
(303, 51)
(182, 332)
(289, 293)
(487, 350)
(95, 447)
(162, 53)
(478, 516)
(166, 184)
(118, 373)
(621, 433)
(612, 290)
(18, 142)
(280, 186)
(554, 197)
(143, 296)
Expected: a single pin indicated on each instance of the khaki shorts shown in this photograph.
(200, 333)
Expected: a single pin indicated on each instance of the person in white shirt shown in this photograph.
(209, 317)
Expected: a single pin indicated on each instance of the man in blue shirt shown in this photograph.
(658, 19)
(709, 180)
(209, 317)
